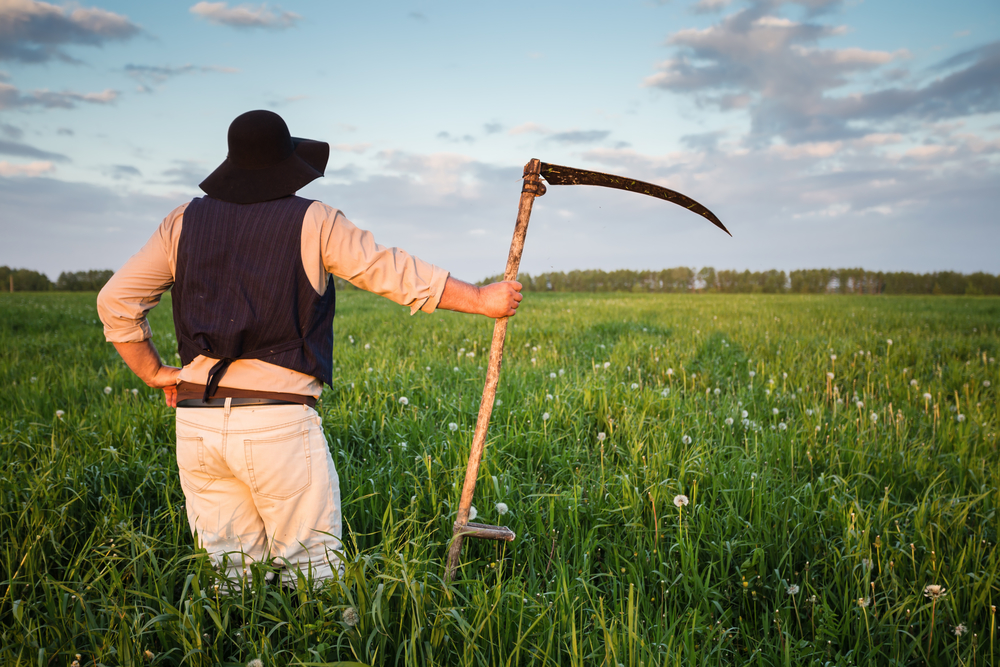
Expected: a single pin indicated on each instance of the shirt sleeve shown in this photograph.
(352, 254)
(136, 288)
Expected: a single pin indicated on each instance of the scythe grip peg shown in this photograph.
(536, 188)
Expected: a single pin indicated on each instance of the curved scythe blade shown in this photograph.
(557, 175)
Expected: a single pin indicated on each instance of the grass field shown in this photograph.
(820, 508)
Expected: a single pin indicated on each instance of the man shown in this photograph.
(250, 266)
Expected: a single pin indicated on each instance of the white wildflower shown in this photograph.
(670, 371)
(350, 616)
(686, 439)
(774, 411)
(368, 346)
(833, 357)
(403, 400)
(860, 404)
(829, 376)
(553, 376)
(107, 390)
(33, 379)
(927, 396)
(455, 369)
(913, 383)
(502, 508)
(473, 513)
(635, 385)
(744, 414)
(935, 591)
(370, 369)
(452, 426)
(793, 589)
(986, 383)
(607, 365)
(717, 391)
(548, 397)
(960, 629)
(874, 417)
(960, 417)
(257, 662)
(752, 374)
(601, 436)
(60, 413)
(665, 392)
(545, 416)
(680, 500)
(782, 426)
(729, 421)
(809, 411)
(562, 372)
(135, 392)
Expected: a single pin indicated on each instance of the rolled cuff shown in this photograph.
(434, 289)
(135, 333)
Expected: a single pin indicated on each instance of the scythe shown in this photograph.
(533, 187)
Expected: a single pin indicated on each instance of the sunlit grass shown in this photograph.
(815, 522)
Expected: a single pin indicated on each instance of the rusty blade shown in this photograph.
(557, 175)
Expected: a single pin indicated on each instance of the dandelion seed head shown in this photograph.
(752, 374)
(545, 416)
(670, 371)
(680, 500)
(829, 376)
(782, 426)
(473, 513)
(716, 391)
(864, 602)
(744, 414)
(60, 413)
(635, 385)
(774, 411)
(960, 629)
(452, 426)
(833, 357)
(502, 508)
(927, 397)
(607, 365)
(350, 617)
(729, 421)
(888, 342)
(960, 417)
(686, 439)
(368, 346)
(601, 436)
(913, 383)
(793, 589)
(403, 400)
(107, 390)
(935, 591)
(986, 383)
(860, 404)
(553, 376)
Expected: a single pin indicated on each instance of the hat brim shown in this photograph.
(249, 186)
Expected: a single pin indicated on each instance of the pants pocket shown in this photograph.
(279, 468)
(191, 463)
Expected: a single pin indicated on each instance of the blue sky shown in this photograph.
(823, 133)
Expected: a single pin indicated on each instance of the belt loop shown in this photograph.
(229, 404)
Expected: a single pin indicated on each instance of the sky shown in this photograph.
(824, 133)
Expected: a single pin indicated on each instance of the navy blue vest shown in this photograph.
(241, 292)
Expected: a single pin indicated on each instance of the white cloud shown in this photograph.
(31, 169)
(245, 16)
(774, 68)
(12, 98)
(33, 32)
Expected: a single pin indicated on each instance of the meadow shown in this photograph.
(693, 480)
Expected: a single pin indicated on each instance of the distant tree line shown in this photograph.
(804, 281)
(26, 280)
(679, 279)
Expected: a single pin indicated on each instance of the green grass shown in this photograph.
(811, 491)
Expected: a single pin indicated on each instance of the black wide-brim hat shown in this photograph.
(265, 162)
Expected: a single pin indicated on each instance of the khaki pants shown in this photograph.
(260, 484)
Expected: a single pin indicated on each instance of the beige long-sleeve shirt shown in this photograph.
(331, 244)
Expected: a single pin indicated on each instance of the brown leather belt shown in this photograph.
(190, 395)
(221, 402)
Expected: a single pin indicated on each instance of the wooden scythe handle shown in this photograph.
(532, 187)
